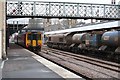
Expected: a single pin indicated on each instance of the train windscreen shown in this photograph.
(36, 37)
(29, 36)
(39, 36)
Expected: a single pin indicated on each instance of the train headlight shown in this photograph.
(39, 44)
(27, 45)
(29, 42)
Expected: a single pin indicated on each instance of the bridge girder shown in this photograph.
(37, 9)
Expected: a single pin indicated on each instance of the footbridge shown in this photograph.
(38, 9)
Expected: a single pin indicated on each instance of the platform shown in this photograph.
(22, 63)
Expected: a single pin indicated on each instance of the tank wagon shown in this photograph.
(108, 42)
(111, 41)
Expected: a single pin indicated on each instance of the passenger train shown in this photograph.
(31, 40)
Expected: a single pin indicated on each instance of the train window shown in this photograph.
(39, 37)
(34, 36)
(29, 36)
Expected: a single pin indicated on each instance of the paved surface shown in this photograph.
(21, 64)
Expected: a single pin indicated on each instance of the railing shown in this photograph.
(62, 10)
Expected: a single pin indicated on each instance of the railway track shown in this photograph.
(86, 66)
(105, 64)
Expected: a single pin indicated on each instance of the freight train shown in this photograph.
(30, 40)
(107, 42)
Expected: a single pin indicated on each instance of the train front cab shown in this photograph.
(34, 41)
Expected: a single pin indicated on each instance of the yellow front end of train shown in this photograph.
(34, 41)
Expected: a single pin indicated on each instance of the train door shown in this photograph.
(34, 39)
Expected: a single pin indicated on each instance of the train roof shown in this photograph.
(107, 25)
